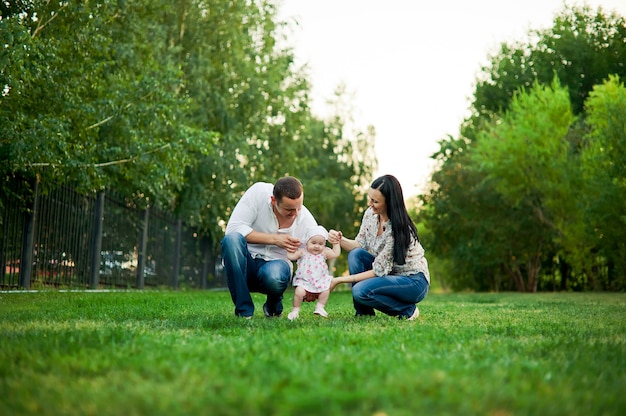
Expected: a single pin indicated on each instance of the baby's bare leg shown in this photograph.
(298, 296)
(321, 302)
(323, 298)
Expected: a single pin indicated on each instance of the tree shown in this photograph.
(581, 49)
(96, 104)
(604, 163)
(180, 104)
(519, 160)
(473, 227)
(258, 109)
(527, 159)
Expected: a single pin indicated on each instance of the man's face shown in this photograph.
(287, 207)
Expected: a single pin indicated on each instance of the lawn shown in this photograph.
(184, 353)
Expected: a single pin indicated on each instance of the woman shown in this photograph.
(388, 270)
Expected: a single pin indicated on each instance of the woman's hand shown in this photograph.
(337, 281)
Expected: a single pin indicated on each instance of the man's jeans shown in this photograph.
(245, 274)
(392, 295)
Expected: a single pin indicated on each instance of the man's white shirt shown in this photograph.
(254, 212)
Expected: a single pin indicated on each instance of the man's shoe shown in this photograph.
(268, 314)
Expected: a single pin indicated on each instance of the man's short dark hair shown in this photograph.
(289, 187)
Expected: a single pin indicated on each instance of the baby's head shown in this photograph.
(316, 239)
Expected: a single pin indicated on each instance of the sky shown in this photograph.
(409, 66)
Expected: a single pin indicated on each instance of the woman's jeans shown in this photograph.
(392, 295)
(245, 274)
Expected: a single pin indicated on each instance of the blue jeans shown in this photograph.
(392, 295)
(245, 274)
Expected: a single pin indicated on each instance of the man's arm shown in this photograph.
(281, 240)
(246, 211)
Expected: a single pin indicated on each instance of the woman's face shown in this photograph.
(377, 202)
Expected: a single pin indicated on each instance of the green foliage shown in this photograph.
(181, 104)
(95, 105)
(604, 164)
(525, 157)
(582, 48)
(181, 353)
(486, 238)
(527, 197)
(526, 149)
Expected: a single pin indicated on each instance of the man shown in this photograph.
(268, 222)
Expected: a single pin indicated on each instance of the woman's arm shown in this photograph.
(353, 278)
(348, 244)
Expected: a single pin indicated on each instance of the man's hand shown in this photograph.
(288, 242)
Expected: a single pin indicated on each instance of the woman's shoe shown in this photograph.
(415, 315)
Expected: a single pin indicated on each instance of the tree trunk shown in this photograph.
(516, 275)
(534, 266)
(564, 270)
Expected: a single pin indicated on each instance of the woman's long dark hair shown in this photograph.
(402, 226)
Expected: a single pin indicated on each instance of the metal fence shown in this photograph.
(65, 239)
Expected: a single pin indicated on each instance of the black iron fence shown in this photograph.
(65, 239)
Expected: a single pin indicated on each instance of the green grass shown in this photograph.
(184, 353)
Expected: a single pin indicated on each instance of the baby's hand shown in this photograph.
(334, 237)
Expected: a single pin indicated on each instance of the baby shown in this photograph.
(312, 279)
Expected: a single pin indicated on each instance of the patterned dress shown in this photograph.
(381, 247)
(312, 273)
